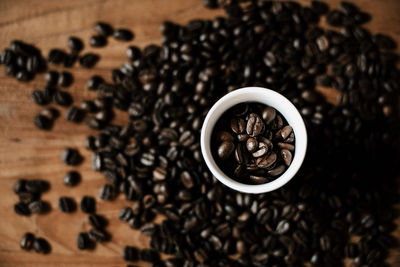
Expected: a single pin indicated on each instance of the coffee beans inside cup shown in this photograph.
(253, 143)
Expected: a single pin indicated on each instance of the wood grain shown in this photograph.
(29, 153)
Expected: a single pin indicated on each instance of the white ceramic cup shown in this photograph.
(263, 96)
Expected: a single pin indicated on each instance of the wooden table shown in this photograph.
(26, 152)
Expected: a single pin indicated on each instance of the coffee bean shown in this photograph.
(36, 186)
(267, 161)
(123, 35)
(50, 113)
(89, 60)
(72, 178)
(254, 125)
(26, 197)
(75, 114)
(98, 235)
(65, 79)
(62, 98)
(238, 125)
(107, 192)
(269, 114)
(94, 82)
(88, 204)
(40, 245)
(71, 157)
(277, 170)
(38, 206)
(286, 156)
(66, 204)
(51, 77)
(7, 57)
(39, 98)
(133, 53)
(225, 150)
(130, 254)
(43, 122)
(149, 255)
(103, 28)
(56, 56)
(23, 76)
(19, 186)
(27, 241)
(258, 179)
(75, 44)
(84, 242)
(21, 209)
(98, 41)
(251, 144)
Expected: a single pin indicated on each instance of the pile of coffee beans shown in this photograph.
(253, 143)
(339, 206)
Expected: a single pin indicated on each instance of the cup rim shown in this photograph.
(263, 96)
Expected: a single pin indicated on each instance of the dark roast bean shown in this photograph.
(97, 221)
(98, 41)
(84, 242)
(267, 161)
(75, 114)
(62, 98)
(107, 192)
(238, 125)
(123, 35)
(103, 28)
(51, 77)
(42, 122)
(56, 56)
(23, 76)
(258, 179)
(19, 186)
(75, 44)
(130, 254)
(26, 197)
(269, 114)
(88, 204)
(225, 150)
(94, 82)
(251, 144)
(71, 156)
(98, 235)
(72, 178)
(286, 156)
(21, 209)
(39, 97)
(7, 57)
(65, 79)
(66, 204)
(254, 125)
(40, 245)
(277, 170)
(36, 186)
(27, 241)
(149, 255)
(89, 60)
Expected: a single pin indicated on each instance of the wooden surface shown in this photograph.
(26, 152)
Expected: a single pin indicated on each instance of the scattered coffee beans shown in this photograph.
(40, 245)
(71, 156)
(27, 241)
(123, 35)
(72, 178)
(66, 204)
(88, 204)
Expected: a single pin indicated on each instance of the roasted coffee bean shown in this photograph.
(149, 255)
(277, 170)
(39, 97)
(223, 136)
(38, 206)
(33, 64)
(98, 41)
(62, 98)
(72, 178)
(97, 221)
(130, 254)
(51, 77)
(94, 82)
(98, 235)
(75, 44)
(56, 56)
(7, 57)
(23, 76)
(107, 192)
(42, 122)
(225, 150)
(50, 113)
(267, 161)
(84, 242)
(65, 79)
(19, 186)
(70, 60)
(36, 186)
(133, 53)
(103, 28)
(21, 209)
(75, 114)
(26, 242)
(269, 114)
(285, 132)
(254, 125)
(71, 156)
(40, 245)
(286, 156)
(251, 144)
(123, 35)
(88, 204)
(89, 60)
(258, 179)
(66, 204)
(27, 197)
(238, 125)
